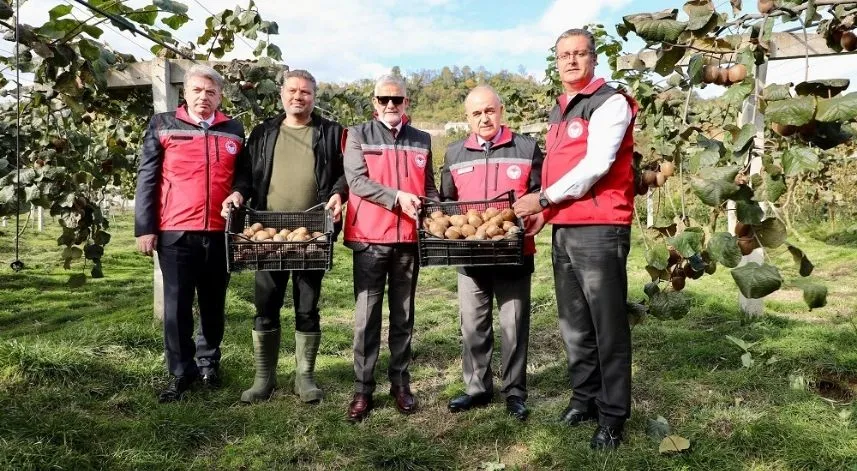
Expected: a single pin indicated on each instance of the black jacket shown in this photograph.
(253, 179)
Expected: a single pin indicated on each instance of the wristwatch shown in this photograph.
(544, 202)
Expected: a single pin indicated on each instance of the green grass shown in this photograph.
(79, 371)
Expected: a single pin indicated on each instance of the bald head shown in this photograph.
(484, 111)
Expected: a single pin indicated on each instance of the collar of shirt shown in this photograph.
(397, 127)
(196, 119)
(572, 95)
(483, 141)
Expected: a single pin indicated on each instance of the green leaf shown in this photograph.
(267, 87)
(146, 15)
(743, 345)
(269, 27)
(658, 428)
(694, 68)
(805, 267)
(72, 253)
(176, 21)
(749, 212)
(723, 248)
(668, 57)
(669, 305)
(651, 288)
(822, 88)
(96, 271)
(660, 30)
(794, 111)
(657, 256)
(771, 233)
(59, 11)
(712, 151)
(274, 52)
(776, 92)
(738, 92)
(797, 160)
(747, 360)
(713, 192)
(89, 49)
(93, 252)
(101, 238)
(171, 6)
(687, 243)
(837, 109)
(814, 295)
(774, 188)
(757, 281)
(636, 313)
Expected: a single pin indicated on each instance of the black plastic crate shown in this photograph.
(244, 253)
(434, 251)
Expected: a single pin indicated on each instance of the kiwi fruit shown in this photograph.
(667, 168)
(737, 73)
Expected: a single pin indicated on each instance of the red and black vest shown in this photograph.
(472, 173)
(400, 163)
(611, 199)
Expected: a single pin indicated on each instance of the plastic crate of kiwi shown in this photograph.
(277, 241)
(470, 233)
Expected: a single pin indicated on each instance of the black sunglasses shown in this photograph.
(397, 100)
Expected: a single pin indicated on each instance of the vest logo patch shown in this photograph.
(513, 172)
(420, 160)
(464, 170)
(575, 129)
(231, 147)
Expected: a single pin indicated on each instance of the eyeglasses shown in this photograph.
(566, 56)
(397, 100)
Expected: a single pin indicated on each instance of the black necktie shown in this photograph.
(204, 125)
(486, 145)
(395, 132)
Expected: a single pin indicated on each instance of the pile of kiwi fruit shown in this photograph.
(259, 233)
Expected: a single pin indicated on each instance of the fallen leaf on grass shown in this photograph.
(673, 444)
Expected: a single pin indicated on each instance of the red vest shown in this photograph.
(479, 175)
(611, 199)
(399, 163)
(196, 172)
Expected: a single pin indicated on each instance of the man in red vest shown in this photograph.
(588, 196)
(388, 168)
(489, 162)
(186, 170)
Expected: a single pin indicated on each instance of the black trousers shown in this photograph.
(271, 291)
(377, 267)
(591, 283)
(193, 263)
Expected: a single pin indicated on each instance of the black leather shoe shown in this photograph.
(176, 388)
(466, 402)
(572, 417)
(516, 408)
(210, 378)
(606, 438)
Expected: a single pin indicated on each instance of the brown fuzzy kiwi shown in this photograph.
(649, 177)
(765, 6)
(660, 179)
(784, 130)
(667, 168)
(508, 214)
(737, 73)
(848, 41)
(452, 233)
(710, 73)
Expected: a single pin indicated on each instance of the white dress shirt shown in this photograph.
(607, 128)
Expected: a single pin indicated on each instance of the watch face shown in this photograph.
(543, 201)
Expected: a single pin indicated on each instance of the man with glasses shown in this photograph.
(388, 166)
(491, 161)
(294, 162)
(186, 170)
(588, 196)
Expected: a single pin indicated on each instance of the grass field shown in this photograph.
(79, 371)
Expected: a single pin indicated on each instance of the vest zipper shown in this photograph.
(496, 175)
(207, 179)
(398, 187)
(486, 173)
(356, 210)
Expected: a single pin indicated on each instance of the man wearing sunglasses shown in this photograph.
(388, 168)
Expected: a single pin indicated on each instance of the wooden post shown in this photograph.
(650, 208)
(40, 219)
(165, 97)
(751, 114)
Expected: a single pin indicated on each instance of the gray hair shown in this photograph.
(303, 74)
(487, 88)
(199, 70)
(391, 80)
(578, 32)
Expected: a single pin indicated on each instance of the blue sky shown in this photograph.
(344, 40)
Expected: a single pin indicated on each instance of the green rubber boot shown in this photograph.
(266, 349)
(306, 349)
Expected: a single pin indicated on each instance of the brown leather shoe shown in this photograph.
(361, 405)
(405, 401)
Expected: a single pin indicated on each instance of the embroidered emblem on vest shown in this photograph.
(575, 129)
(420, 160)
(231, 147)
(513, 172)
